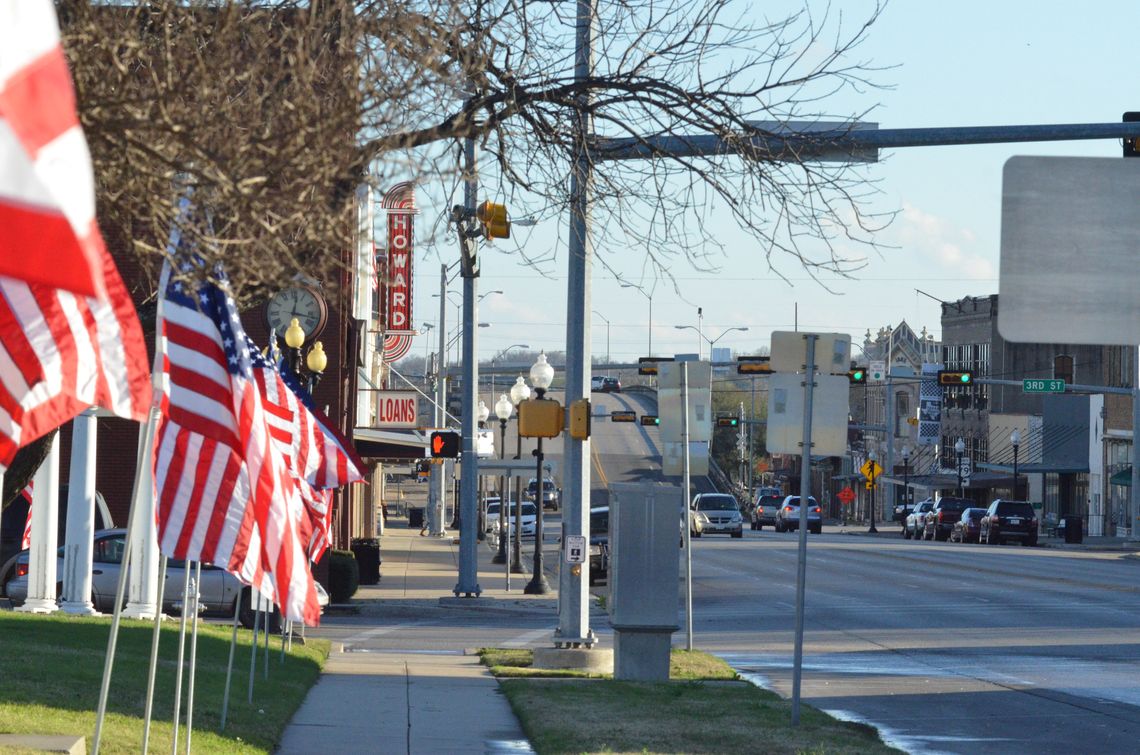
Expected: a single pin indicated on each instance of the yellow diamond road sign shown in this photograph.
(871, 469)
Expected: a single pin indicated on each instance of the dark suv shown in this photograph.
(765, 509)
(1009, 520)
(941, 519)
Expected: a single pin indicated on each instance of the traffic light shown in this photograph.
(1132, 143)
(444, 444)
(650, 419)
(753, 365)
(623, 415)
(648, 365)
(857, 375)
(727, 421)
(955, 377)
(493, 218)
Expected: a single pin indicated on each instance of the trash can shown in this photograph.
(367, 552)
(1074, 529)
(416, 518)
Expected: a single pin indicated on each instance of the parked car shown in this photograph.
(940, 519)
(491, 512)
(529, 520)
(1009, 520)
(599, 544)
(788, 518)
(721, 512)
(605, 384)
(901, 511)
(968, 528)
(916, 520)
(551, 493)
(218, 590)
(764, 510)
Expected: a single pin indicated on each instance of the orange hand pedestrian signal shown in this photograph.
(444, 444)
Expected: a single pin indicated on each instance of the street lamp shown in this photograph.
(541, 375)
(520, 392)
(607, 322)
(872, 457)
(503, 409)
(648, 296)
(1015, 441)
(482, 413)
(316, 361)
(959, 449)
(906, 481)
(711, 342)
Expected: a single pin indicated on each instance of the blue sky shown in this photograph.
(965, 63)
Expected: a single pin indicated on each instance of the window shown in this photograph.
(109, 550)
(902, 413)
(1063, 368)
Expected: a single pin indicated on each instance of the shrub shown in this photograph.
(344, 576)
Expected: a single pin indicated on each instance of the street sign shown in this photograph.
(1040, 385)
(484, 443)
(965, 469)
(829, 410)
(700, 401)
(847, 495)
(575, 549)
(878, 372)
(832, 352)
(871, 469)
(870, 485)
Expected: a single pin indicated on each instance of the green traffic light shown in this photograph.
(966, 377)
(858, 375)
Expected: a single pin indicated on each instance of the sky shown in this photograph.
(965, 63)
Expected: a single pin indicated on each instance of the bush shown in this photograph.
(344, 576)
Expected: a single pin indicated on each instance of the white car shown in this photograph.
(491, 512)
(721, 512)
(529, 520)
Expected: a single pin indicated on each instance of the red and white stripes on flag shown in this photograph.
(60, 351)
(48, 233)
(224, 495)
(309, 447)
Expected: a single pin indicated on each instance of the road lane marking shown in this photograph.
(598, 465)
(527, 638)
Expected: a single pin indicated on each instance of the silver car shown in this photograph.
(721, 514)
(788, 517)
(217, 593)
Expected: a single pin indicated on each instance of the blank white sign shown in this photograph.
(1070, 250)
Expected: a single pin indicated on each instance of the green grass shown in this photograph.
(53, 666)
(702, 709)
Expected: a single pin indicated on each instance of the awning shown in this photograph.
(389, 444)
(1123, 477)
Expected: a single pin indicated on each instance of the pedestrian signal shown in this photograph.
(444, 444)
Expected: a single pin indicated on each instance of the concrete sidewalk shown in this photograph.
(393, 702)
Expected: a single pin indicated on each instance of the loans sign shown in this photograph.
(396, 409)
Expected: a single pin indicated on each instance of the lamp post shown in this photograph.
(1015, 441)
(607, 322)
(648, 296)
(701, 334)
(959, 449)
(541, 375)
(503, 409)
(906, 481)
(872, 457)
(315, 361)
(520, 392)
(482, 413)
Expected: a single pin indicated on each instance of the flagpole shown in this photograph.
(112, 640)
(268, 615)
(229, 664)
(154, 651)
(181, 657)
(285, 626)
(197, 590)
(253, 648)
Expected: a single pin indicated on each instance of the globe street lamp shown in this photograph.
(541, 375)
(520, 392)
(503, 409)
(959, 449)
(872, 457)
(1015, 441)
(316, 361)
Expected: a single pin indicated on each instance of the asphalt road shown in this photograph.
(945, 648)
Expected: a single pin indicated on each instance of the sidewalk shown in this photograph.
(415, 702)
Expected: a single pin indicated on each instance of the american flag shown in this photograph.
(48, 233)
(224, 495)
(310, 446)
(60, 352)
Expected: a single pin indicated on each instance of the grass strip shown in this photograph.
(704, 708)
(53, 666)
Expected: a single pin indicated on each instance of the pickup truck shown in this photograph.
(940, 520)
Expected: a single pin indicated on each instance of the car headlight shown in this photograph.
(736, 517)
(702, 518)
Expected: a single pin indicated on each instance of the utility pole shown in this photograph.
(435, 512)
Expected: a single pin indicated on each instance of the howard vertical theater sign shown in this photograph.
(400, 204)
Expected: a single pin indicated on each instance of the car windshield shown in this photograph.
(716, 503)
(493, 508)
(795, 501)
(529, 509)
(1015, 508)
(973, 513)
